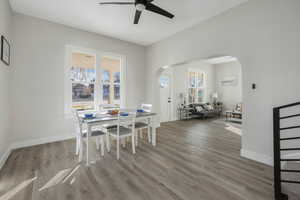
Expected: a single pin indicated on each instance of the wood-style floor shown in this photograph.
(193, 160)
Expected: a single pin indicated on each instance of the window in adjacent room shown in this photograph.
(196, 86)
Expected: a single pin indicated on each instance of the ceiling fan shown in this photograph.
(140, 6)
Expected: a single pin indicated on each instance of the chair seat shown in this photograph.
(93, 134)
(141, 125)
(109, 126)
(123, 131)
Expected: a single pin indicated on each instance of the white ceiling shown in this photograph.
(117, 21)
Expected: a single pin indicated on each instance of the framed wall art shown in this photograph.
(5, 51)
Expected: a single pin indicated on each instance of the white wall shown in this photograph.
(181, 83)
(38, 75)
(5, 29)
(229, 95)
(264, 36)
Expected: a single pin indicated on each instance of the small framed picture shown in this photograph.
(5, 51)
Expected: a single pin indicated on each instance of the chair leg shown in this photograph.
(87, 151)
(80, 150)
(133, 146)
(124, 142)
(77, 145)
(136, 134)
(102, 145)
(97, 143)
(107, 142)
(149, 134)
(118, 148)
(141, 133)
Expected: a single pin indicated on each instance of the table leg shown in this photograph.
(153, 132)
(87, 144)
(149, 130)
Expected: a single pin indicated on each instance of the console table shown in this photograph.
(233, 116)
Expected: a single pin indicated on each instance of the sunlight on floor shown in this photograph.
(17, 189)
(233, 129)
(60, 178)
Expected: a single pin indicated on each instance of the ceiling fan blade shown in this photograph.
(116, 3)
(137, 16)
(153, 8)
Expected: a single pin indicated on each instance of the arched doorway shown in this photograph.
(216, 81)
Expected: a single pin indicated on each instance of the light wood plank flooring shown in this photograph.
(193, 160)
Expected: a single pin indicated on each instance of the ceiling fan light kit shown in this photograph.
(140, 6)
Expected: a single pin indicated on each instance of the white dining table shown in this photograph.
(101, 118)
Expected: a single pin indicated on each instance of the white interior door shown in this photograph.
(165, 98)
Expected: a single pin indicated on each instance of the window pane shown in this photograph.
(78, 74)
(117, 92)
(111, 80)
(192, 79)
(106, 94)
(82, 75)
(164, 81)
(106, 77)
(192, 95)
(83, 95)
(117, 77)
(82, 92)
(200, 95)
(200, 80)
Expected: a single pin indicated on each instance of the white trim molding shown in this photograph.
(34, 142)
(5, 156)
(258, 157)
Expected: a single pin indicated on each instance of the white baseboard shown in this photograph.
(268, 160)
(4, 157)
(33, 142)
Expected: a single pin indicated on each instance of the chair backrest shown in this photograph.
(146, 107)
(77, 124)
(108, 107)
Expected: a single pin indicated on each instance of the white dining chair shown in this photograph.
(81, 135)
(107, 107)
(142, 125)
(106, 127)
(126, 118)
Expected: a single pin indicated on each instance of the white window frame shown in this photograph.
(204, 87)
(70, 49)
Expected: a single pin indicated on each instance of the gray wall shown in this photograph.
(5, 29)
(38, 75)
(264, 36)
(230, 94)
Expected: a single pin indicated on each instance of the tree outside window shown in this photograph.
(83, 77)
(111, 74)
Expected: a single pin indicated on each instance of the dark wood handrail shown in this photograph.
(277, 150)
(289, 105)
